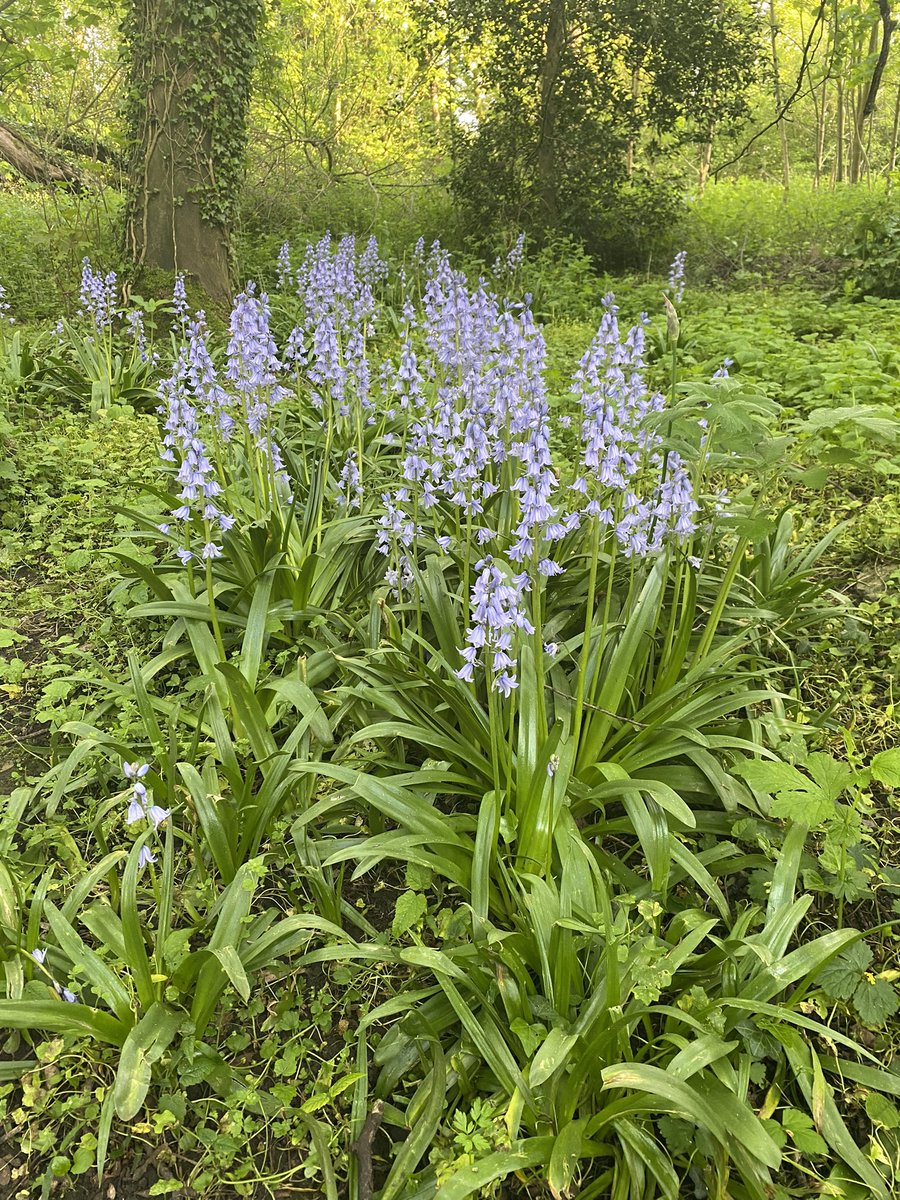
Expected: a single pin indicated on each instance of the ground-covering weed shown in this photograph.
(544, 702)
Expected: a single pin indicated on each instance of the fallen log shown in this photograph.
(35, 164)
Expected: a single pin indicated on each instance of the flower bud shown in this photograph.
(673, 328)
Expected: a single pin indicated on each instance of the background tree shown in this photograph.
(582, 98)
(189, 81)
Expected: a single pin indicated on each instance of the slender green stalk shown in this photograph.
(586, 645)
(494, 721)
(214, 617)
(604, 624)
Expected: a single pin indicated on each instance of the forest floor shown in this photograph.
(65, 482)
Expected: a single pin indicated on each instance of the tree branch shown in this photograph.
(779, 116)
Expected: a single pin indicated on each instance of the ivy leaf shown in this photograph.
(408, 911)
(799, 1125)
(875, 1000)
(530, 1036)
(841, 977)
(885, 767)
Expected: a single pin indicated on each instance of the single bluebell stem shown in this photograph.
(586, 644)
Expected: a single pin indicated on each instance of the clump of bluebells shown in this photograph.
(451, 424)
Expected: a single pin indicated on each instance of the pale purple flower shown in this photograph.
(98, 296)
(350, 483)
(284, 265)
(498, 618)
(157, 815)
(179, 299)
(676, 276)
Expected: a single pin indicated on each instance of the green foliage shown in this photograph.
(741, 228)
(873, 254)
(47, 237)
(586, 941)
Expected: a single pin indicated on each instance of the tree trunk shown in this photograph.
(546, 150)
(821, 121)
(188, 130)
(892, 162)
(839, 135)
(776, 76)
(705, 159)
(635, 96)
(860, 101)
(836, 71)
(888, 25)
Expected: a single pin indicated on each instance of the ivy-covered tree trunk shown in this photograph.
(190, 69)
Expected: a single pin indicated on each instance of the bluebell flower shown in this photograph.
(284, 265)
(179, 299)
(676, 276)
(5, 318)
(505, 683)
(145, 856)
(157, 815)
(135, 324)
(498, 617)
(98, 296)
(39, 956)
(350, 482)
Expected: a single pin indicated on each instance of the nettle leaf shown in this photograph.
(772, 777)
(875, 1000)
(795, 797)
(885, 767)
(832, 776)
(800, 1126)
(841, 977)
(408, 911)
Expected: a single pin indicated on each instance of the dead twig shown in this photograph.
(362, 1148)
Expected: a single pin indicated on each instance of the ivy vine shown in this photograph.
(190, 67)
